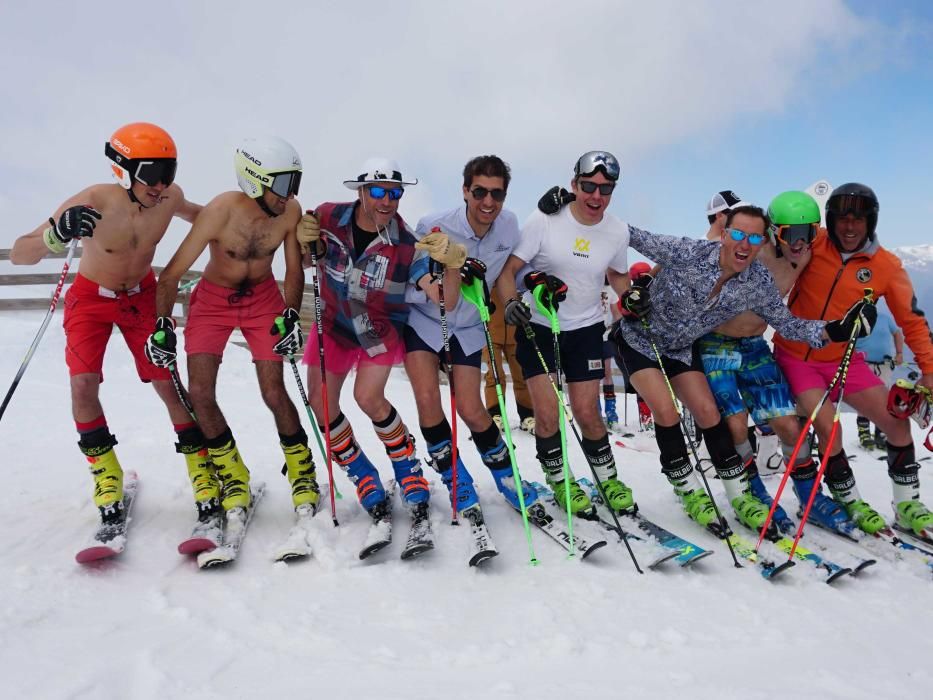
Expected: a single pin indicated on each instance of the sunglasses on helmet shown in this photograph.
(753, 238)
(792, 234)
(377, 192)
(286, 184)
(479, 193)
(590, 187)
(592, 161)
(855, 204)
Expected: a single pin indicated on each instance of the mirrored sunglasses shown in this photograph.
(753, 238)
(377, 192)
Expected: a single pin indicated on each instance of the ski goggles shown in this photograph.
(285, 184)
(592, 161)
(738, 236)
(378, 192)
(855, 204)
(904, 400)
(792, 234)
(148, 172)
(479, 193)
(590, 187)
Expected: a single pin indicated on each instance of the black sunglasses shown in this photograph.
(479, 193)
(589, 187)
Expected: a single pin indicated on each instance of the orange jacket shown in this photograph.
(827, 287)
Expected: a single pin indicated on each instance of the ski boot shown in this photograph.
(780, 517)
(299, 468)
(579, 501)
(233, 475)
(497, 419)
(204, 483)
(866, 518)
(865, 439)
(107, 472)
(881, 440)
(528, 424)
(466, 495)
(825, 512)
(699, 507)
(612, 418)
(618, 495)
(912, 515)
(369, 489)
(752, 513)
(410, 478)
(505, 482)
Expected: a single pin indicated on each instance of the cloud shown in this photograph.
(428, 83)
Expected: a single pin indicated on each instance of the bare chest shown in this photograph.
(249, 240)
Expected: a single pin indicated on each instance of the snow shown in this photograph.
(149, 624)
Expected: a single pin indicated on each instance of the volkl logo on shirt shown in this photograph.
(581, 248)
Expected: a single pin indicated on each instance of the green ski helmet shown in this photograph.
(795, 216)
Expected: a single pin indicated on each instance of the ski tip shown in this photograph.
(196, 545)
(485, 555)
(836, 575)
(96, 553)
(599, 544)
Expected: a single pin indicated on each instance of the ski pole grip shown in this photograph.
(280, 324)
(159, 337)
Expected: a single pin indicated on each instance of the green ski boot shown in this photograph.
(750, 511)
(618, 495)
(864, 516)
(579, 501)
(698, 506)
(914, 516)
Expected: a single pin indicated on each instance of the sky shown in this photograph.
(691, 97)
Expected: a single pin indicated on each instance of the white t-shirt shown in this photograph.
(579, 255)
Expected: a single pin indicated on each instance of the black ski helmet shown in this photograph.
(855, 198)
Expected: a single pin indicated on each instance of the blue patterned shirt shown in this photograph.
(681, 307)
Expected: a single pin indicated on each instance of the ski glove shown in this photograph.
(472, 269)
(643, 281)
(288, 327)
(160, 347)
(308, 231)
(635, 302)
(517, 312)
(441, 249)
(556, 287)
(840, 331)
(75, 222)
(554, 200)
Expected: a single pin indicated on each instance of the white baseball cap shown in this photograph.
(724, 201)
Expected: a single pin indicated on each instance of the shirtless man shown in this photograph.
(119, 226)
(243, 231)
(743, 374)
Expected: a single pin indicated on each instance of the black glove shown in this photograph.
(289, 328)
(643, 281)
(472, 269)
(554, 200)
(557, 289)
(635, 302)
(517, 312)
(841, 331)
(160, 347)
(76, 222)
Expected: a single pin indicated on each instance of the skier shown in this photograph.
(700, 285)
(574, 251)
(364, 250)
(744, 376)
(242, 230)
(484, 230)
(884, 350)
(844, 262)
(119, 226)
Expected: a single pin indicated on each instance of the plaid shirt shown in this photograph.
(681, 307)
(364, 299)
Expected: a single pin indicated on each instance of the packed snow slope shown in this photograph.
(149, 624)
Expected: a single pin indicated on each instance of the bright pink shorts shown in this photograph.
(340, 360)
(91, 312)
(215, 311)
(803, 375)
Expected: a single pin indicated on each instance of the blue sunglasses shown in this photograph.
(377, 192)
(753, 238)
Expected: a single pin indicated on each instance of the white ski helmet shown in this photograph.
(267, 162)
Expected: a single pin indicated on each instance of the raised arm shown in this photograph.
(207, 228)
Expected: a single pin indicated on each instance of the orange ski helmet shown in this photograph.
(143, 152)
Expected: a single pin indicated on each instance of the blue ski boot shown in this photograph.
(497, 459)
(410, 478)
(825, 511)
(780, 517)
(466, 494)
(612, 418)
(364, 476)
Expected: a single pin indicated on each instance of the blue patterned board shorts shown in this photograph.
(743, 375)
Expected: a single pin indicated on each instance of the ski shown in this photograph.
(646, 550)
(885, 543)
(481, 544)
(420, 534)
(925, 538)
(544, 521)
(109, 539)
(626, 446)
(205, 536)
(379, 535)
(686, 552)
(768, 568)
(236, 523)
(297, 544)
